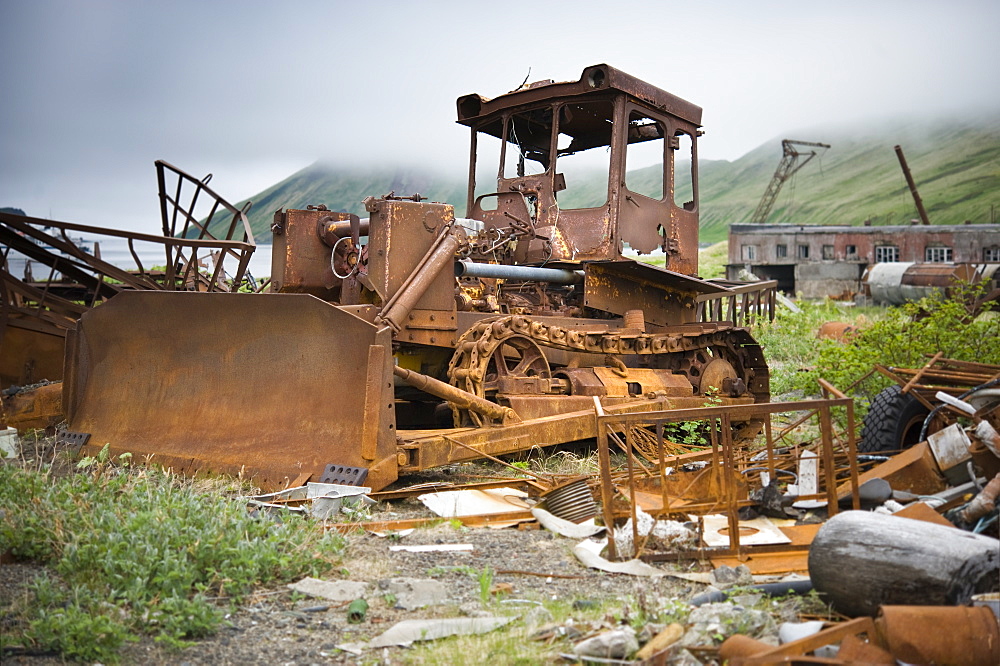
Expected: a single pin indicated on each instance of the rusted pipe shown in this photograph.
(333, 230)
(913, 186)
(456, 396)
(982, 503)
(467, 268)
(440, 255)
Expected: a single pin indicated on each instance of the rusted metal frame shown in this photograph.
(607, 494)
(920, 373)
(167, 249)
(433, 450)
(769, 442)
(74, 264)
(413, 491)
(662, 467)
(737, 412)
(721, 440)
(625, 447)
(25, 224)
(544, 478)
(70, 267)
(899, 380)
(834, 634)
(722, 430)
(852, 447)
(233, 245)
(949, 376)
(828, 469)
(202, 186)
(629, 441)
(392, 525)
(744, 552)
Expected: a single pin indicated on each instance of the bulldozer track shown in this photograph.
(468, 366)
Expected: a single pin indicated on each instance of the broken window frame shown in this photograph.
(608, 148)
(991, 254)
(748, 252)
(938, 254)
(525, 158)
(684, 142)
(634, 126)
(886, 254)
(781, 251)
(802, 251)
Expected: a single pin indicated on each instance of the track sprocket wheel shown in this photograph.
(486, 355)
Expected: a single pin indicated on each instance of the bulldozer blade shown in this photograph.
(260, 385)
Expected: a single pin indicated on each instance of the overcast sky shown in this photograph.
(93, 91)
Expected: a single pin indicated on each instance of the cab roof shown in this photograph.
(596, 79)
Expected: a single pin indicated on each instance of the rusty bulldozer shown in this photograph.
(413, 338)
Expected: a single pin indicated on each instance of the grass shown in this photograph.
(790, 344)
(901, 336)
(139, 552)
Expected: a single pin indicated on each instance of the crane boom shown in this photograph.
(787, 168)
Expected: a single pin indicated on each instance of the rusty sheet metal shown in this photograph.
(40, 407)
(594, 79)
(507, 518)
(740, 650)
(666, 298)
(955, 635)
(767, 564)
(913, 471)
(28, 355)
(300, 260)
(229, 391)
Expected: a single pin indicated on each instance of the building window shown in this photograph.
(991, 254)
(803, 252)
(748, 252)
(828, 252)
(938, 255)
(885, 253)
(781, 251)
(852, 250)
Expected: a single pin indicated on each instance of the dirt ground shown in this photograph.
(278, 626)
(531, 570)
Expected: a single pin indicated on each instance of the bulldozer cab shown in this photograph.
(580, 170)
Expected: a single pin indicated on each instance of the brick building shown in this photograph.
(829, 261)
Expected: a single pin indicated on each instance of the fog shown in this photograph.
(94, 92)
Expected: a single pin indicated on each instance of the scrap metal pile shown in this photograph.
(414, 339)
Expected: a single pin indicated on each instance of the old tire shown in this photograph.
(892, 423)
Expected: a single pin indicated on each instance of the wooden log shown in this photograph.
(861, 560)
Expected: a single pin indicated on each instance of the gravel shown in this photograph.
(277, 626)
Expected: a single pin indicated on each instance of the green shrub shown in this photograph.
(141, 552)
(904, 338)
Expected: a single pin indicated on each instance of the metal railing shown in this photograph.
(723, 483)
(745, 304)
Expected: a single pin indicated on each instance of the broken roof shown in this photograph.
(596, 79)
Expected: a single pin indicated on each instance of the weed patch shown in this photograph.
(904, 337)
(140, 552)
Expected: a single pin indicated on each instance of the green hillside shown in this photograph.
(956, 166)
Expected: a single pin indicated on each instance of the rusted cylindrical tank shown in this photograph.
(895, 283)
